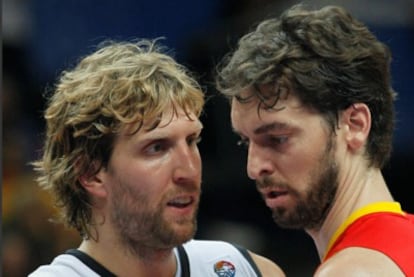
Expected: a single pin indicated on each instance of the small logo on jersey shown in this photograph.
(224, 269)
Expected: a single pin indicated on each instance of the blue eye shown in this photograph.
(156, 147)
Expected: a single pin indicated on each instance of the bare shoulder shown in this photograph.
(356, 261)
(267, 267)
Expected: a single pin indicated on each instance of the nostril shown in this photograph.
(259, 170)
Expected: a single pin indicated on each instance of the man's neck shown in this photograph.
(353, 193)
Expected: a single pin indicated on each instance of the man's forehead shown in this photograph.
(161, 125)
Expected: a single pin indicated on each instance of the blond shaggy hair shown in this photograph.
(120, 84)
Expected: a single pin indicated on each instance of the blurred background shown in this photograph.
(42, 37)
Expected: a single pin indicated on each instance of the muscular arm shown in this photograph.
(266, 266)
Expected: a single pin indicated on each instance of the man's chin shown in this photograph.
(283, 220)
(182, 233)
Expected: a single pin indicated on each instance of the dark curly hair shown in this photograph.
(327, 58)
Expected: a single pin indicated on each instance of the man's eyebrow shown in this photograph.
(266, 128)
(270, 127)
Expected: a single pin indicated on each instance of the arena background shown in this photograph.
(40, 38)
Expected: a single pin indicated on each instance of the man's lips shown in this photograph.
(272, 192)
(273, 196)
(181, 201)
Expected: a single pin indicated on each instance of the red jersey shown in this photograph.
(383, 227)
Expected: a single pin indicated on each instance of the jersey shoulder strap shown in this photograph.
(249, 258)
(90, 262)
(185, 265)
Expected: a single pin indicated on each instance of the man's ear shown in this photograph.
(93, 182)
(357, 120)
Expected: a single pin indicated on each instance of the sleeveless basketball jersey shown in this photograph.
(219, 259)
(194, 258)
(383, 227)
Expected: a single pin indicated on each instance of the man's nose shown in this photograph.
(259, 163)
(187, 164)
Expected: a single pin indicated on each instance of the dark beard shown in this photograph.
(311, 210)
